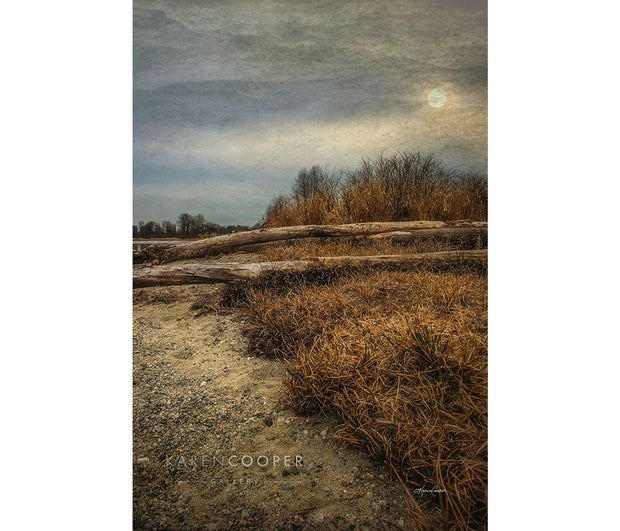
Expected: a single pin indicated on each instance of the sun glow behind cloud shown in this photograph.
(242, 92)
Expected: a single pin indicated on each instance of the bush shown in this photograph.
(404, 187)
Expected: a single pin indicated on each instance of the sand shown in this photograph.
(218, 446)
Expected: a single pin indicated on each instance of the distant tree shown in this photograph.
(169, 229)
(148, 229)
(198, 225)
(192, 225)
(136, 231)
(212, 228)
(235, 228)
(185, 225)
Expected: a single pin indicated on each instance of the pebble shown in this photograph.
(318, 517)
(143, 460)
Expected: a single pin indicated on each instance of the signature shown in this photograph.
(423, 490)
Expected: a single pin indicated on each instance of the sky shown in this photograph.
(233, 98)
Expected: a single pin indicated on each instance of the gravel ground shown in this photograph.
(217, 446)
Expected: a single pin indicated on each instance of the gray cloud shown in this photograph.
(258, 90)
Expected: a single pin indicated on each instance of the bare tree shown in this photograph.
(169, 229)
(313, 181)
(184, 223)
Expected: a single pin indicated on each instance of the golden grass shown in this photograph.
(401, 358)
(405, 186)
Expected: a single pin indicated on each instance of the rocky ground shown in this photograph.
(217, 446)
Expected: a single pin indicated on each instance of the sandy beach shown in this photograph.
(217, 446)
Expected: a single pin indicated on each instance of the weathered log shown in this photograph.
(161, 254)
(463, 236)
(219, 272)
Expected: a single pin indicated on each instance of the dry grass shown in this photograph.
(207, 303)
(163, 295)
(405, 186)
(401, 357)
(205, 298)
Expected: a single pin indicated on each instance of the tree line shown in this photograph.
(186, 226)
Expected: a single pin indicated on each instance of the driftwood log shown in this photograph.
(162, 253)
(212, 273)
(462, 236)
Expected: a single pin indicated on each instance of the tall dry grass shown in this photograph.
(405, 186)
(401, 358)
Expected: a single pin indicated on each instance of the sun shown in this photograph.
(437, 97)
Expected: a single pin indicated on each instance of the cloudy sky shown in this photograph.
(233, 98)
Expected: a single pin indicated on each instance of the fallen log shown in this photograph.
(161, 254)
(463, 236)
(219, 272)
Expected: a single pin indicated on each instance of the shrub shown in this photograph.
(405, 186)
